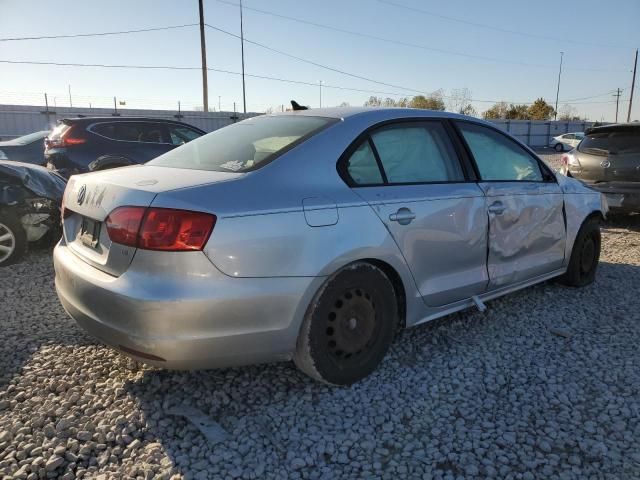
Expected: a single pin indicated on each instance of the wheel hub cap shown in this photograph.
(7, 242)
(351, 324)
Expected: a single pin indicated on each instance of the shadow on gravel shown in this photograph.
(30, 314)
(626, 221)
(541, 378)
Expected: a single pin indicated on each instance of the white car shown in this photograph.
(570, 140)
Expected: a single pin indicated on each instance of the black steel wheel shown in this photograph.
(349, 326)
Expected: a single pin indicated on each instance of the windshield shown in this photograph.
(243, 146)
(615, 142)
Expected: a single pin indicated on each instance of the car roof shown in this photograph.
(121, 119)
(616, 127)
(378, 113)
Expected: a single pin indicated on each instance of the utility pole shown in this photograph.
(320, 93)
(633, 86)
(617, 95)
(244, 96)
(203, 52)
(219, 109)
(555, 115)
(70, 102)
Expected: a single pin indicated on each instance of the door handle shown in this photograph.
(496, 208)
(403, 216)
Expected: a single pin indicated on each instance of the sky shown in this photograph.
(500, 50)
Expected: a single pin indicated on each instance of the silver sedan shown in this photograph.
(315, 236)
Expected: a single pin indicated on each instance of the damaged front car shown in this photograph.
(30, 202)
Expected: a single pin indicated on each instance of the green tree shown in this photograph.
(434, 101)
(540, 110)
(469, 110)
(518, 112)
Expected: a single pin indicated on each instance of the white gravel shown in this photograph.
(545, 384)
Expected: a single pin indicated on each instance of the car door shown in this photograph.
(569, 139)
(524, 206)
(412, 177)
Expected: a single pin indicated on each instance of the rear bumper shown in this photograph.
(196, 319)
(621, 196)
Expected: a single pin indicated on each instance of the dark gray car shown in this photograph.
(608, 159)
(28, 148)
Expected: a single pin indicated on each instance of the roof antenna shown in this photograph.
(296, 106)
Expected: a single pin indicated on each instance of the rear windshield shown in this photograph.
(57, 132)
(30, 138)
(243, 146)
(615, 142)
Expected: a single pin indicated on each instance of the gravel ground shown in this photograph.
(545, 384)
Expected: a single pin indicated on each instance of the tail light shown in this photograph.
(565, 159)
(160, 228)
(66, 139)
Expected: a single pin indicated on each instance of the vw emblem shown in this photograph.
(605, 164)
(81, 194)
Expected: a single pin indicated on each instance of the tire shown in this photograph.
(584, 255)
(349, 326)
(559, 147)
(13, 239)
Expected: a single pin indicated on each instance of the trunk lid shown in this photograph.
(89, 198)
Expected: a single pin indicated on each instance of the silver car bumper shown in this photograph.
(184, 313)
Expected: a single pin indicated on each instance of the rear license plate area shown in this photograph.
(89, 232)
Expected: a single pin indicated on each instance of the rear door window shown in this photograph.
(132, 131)
(104, 129)
(417, 153)
(152, 133)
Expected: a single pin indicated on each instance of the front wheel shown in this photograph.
(348, 326)
(559, 147)
(584, 256)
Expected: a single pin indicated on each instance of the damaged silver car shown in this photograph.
(315, 236)
(30, 198)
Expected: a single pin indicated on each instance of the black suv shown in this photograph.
(608, 159)
(79, 145)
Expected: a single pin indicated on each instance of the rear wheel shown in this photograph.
(13, 241)
(349, 326)
(584, 256)
(559, 147)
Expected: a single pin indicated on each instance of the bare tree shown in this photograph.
(567, 113)
(460, 102)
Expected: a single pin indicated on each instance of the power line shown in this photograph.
(406, 44)
(264, 77)
(100, 34)
(498, 29)
(316, 64)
